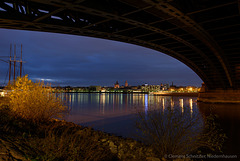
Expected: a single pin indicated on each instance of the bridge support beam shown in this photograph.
(218, 95)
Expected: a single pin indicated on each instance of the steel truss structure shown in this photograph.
(203, 34)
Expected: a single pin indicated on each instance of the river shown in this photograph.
(117, 113)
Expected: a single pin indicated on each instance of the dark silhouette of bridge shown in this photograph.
(203, 34)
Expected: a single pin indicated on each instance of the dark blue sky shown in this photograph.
(82, 61)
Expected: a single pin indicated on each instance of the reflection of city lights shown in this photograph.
(70, 98)
(79, 97)
(191, 106)
(121, 99)
(73, 97)
(163, 104)
(102, 102)
(108, 101)
(98, 98)
(113, 101)
(181, 104)
(146, 103)
(172, 103)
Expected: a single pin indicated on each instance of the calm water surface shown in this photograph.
(116, 113)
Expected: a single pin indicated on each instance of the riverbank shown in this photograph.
(60, 140)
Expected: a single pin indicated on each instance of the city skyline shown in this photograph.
(83, 61)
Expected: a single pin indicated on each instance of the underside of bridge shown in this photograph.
(203, 34)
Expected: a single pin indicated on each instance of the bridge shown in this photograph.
(203, 34)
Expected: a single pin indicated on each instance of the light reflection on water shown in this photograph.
(116, 113)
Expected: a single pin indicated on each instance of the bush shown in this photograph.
(34, 101)
(69, 142)
(171, 132)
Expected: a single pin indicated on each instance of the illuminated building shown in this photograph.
(126, 84)
(150, 88)
(116, 85)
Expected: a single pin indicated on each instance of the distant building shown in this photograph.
(126, 84)
(134, 87)
(116, 85)
(183, 89)
(172, 88)
(150, 88)
(103, 89)
(164, 87)
(95, 88)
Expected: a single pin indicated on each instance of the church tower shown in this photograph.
(126, 84)
(116, 85)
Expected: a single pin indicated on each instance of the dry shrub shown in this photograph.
(69, 143)
(34, 101)
(171, 132)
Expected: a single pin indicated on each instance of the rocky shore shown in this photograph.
(20, 146)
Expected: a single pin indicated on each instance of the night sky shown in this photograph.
(83, 61)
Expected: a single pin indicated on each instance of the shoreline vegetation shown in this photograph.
(31, 129)
(61, 140)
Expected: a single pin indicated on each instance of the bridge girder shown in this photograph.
(183, 29)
